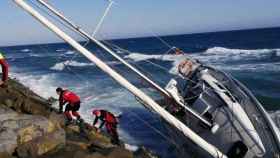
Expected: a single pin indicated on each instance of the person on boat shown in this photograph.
(5, 68)
(73, 104)
(110, 122)
(179, 51)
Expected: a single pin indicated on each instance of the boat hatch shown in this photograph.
(201, 105)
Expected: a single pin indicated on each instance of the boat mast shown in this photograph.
(91, 38)
(100, 44)
(212, 150)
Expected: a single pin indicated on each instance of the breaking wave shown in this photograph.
(219, 56)
(175, 59)
(222, 50)
(140, 57)
(226, 54)
(42, 85)
(25, 50)
(61, 50)
(269, 67)
(61, 66)
(69, 52)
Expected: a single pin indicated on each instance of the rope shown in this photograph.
(102, 18)
(54, 18)
(162, 40)
(154, 129)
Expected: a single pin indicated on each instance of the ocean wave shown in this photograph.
(61, 66)
(61, 50)
(257, 67)
(241, 54)
(42, 85)
(222, 50)
(218, 56)
(25, 50)
(140, 57)
(175, 59)
(34, 55)
(69, 52)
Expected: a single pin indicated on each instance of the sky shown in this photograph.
(137, 18)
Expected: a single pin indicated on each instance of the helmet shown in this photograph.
(96, 112)
(59, 89)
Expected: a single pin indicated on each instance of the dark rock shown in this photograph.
(50, 142)
(43, 134)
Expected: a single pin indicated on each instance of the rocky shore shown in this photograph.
(31, 128)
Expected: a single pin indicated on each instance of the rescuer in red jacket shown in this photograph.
(110, 122)
(73, 103)
(5, 69)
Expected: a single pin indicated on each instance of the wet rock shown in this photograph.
(43, 134)
(144, 153)
(57, 120)
(17, 129)
(50, 142)
(5, 155)
(119, 152)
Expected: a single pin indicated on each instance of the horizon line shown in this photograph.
(146, 36)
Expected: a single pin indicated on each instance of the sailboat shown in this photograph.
(214, 115)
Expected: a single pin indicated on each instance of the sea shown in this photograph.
(251, 56)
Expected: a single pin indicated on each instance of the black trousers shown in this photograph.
(74, 107)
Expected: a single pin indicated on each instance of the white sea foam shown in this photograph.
(61, 50)
(69, 52)
(34, 55)
(61, 66)
(140, 57)
(222, 50)
(131, 147)
(216, 56)
(258, 67)
(42, 85)
(220, 53)
(25, 50)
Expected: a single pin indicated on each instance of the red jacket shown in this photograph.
(68, 96)
(105, 117)
(5, 69)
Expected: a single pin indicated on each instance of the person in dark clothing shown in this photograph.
(73, 103)
(110, 122)
(5, 68)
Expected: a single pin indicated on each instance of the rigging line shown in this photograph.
(163, 68)
(161, 39)
(137, 66)
(154, 129)
(45, 49)
(103, 18)
(100, 21)
(54, 17)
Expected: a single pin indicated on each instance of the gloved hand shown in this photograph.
(60, 110)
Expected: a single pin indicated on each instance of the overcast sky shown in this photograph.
(133, 18)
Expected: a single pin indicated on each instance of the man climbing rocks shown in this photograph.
(110, 122)
(73, 104)
(5, 68)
